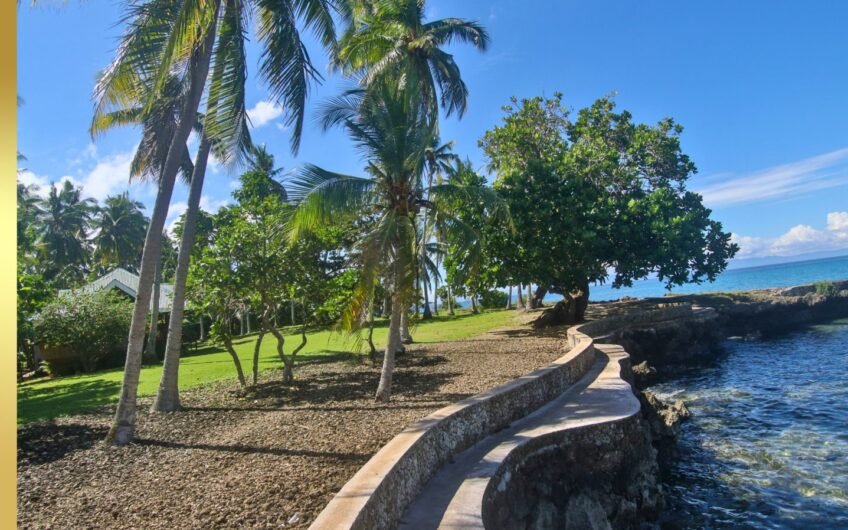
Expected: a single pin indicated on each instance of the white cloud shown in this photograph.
(264, 112)
(837, 221)
(109, 176)
(799, 239)
(779, 182)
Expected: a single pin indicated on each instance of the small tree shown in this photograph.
(78, 330)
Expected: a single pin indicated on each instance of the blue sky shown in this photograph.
(760, 86)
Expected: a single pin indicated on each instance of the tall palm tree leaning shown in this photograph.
(393, 130)
(389, 42)
(167, 36)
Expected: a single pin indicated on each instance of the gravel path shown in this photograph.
(271, 457)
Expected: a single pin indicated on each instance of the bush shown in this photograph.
(493, 299)
(78, 330)
(826, 288)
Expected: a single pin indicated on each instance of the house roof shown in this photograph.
(128, 282)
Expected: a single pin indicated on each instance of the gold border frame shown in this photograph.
(8, 289)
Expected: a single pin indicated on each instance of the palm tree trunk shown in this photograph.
(427, 314)
(450, 300)
(168, 396)
(405, 336)
(509, 298)
(436, 296)
(292, 312)
(123, 425)
(150, 350)
(384, 389)
(529, 301)
(474, 309)
(247, 318)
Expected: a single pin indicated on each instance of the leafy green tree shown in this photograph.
(80, 329)
(29, 217)
(119, 226)
(33, 293)
(597, 194)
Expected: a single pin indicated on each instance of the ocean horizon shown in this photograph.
(741, 279)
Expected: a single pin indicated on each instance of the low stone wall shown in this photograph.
(377, 495)
(596, 476)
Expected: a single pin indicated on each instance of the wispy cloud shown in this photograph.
(797, 240)
(780, 182)
(98, 176)
(264, 112)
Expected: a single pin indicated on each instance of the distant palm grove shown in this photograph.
(576, 197)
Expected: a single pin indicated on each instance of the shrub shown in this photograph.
(78, 330)
(826, 288)
(493, 299)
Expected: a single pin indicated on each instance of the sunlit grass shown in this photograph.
(45, 399)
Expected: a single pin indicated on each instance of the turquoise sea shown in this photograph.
(780, 275)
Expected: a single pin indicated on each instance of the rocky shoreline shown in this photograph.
(663, 347)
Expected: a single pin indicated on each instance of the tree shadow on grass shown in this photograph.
(347, 389)
(240, 448)
(38, 403)
(42, 443)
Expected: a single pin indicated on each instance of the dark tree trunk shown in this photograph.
(427, 314)
(228, 345)
(520, 303)
(256, 354)
(539, 296)
(569, 310)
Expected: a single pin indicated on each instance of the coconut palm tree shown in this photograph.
(202, 40)
(119, 227)
(438, 160)
(63, 240)
(393, 130)
(388, 40)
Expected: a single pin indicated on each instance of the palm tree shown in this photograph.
(388, 41)
(392, 129)
(165, 36)
(438, 159)
(119, 227)
(63, 241)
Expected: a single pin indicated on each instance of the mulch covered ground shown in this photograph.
(270, 457)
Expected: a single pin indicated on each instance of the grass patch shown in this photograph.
(46, 399)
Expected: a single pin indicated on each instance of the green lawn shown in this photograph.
(45, 399)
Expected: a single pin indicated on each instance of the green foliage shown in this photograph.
(492, 299)
(80, 329)
(597, 194)
(336, 296)
(33, 295)
(826, 288)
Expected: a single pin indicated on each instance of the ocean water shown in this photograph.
(767, 443)
(781, 275)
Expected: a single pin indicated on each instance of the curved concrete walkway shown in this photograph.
(453, 498)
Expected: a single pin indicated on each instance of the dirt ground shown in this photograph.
(271, 457)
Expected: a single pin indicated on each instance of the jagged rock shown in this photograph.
(663, 419)
(643, 373)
